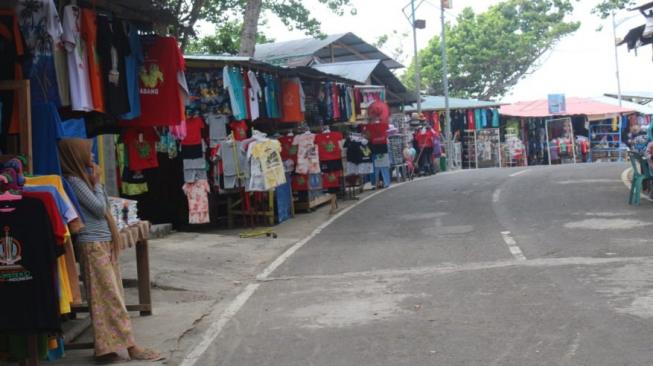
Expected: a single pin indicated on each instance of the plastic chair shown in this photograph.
(641, 172)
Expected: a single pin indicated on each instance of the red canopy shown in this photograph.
(575, 106)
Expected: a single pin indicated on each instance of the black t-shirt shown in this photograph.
(353, 151)
(112, 48)
(27, 275)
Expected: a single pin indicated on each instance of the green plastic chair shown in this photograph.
(641, 172)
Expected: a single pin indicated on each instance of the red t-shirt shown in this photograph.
(425, 139)
(328, 145)
(288, 150)
(239, 129)
(377, 133)
(141, 148)
(331, 179)
(194, 127)
(58, 226)
(158, 84)
(300, 182)
(291, 101)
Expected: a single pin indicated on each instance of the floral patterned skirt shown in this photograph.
(104, 292)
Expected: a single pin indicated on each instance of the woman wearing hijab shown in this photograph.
(99, 245)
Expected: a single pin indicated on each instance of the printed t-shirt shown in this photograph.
(28, 279)
(133, 63)
(254, 91)
(198, 201)
(268, 154)
(239, 129)
(331, 179)
(161, 103)
(288, 150)
(194, 127)
(77, 52)
(308, 158)
(113, 47)
(41, 29)
(329, 145)
(292, 96)
(141, 148)
(89, 35)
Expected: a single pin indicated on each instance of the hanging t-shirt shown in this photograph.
(46, 132)
(217, 128)
(377, 133)
(113, 47)
(234, 83)
(89, 35)
(78, 71)
(254, 93)
(133, 63)
(292, 96)
(329, 145)
(271, 173)
(239, 129)
(288, 150)
(159, 83)
(308, 158)
(198, 201)
(12, 50)
(40, 27)
(332, 179)
(272, 96)
(141, 148)
(27, 275)
(194, 127)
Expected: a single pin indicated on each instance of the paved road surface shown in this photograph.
(488, 267)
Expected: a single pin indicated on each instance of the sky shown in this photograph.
(582, 64)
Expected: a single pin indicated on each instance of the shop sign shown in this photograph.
(557, 104)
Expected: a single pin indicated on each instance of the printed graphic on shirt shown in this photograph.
(11, 251)
(151, 78)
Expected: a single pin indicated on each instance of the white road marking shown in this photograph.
(520, 173)
(512, 246)
(216, 327)
(496, 195)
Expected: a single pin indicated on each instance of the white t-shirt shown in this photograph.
(254, 92)
(217, 128)
(80, 89)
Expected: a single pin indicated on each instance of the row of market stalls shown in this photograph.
(199, 141)
(488, 134)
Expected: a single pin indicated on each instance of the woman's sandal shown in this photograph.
(145, 354)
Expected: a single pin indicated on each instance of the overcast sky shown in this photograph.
(583, 64)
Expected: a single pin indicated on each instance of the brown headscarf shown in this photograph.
(76, 159)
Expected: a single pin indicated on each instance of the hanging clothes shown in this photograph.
(234, 83)
(293, 100)
(198, 201)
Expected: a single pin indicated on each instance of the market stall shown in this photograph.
(588, 130)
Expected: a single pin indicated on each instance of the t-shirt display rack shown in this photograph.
(482, 149)
(469, 159)
(605, 140)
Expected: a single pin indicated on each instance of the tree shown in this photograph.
(606, 7)
(490, 52)
(225, 40)
(293, 13)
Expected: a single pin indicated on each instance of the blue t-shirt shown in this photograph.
(46, 132)
(233, 81)
(133, 63)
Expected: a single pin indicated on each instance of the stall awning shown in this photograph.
(575, 107)
(437, 103)
(641, 109)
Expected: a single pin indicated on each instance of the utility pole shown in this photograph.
(418, 77)
(616, 58)
(445, 83)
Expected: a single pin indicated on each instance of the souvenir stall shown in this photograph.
(66, 70)
(587, 124)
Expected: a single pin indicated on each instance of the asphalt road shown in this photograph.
(536, 266)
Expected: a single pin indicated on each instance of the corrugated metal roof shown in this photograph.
(437, 103)
(626, 104)
(575, 106)
(354, 70)
(635, 97)
(346, 47)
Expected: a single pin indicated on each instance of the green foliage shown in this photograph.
(225, 40)
(293, 13)
(489, 53)
(607, 7)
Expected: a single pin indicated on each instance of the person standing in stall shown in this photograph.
(99, 243)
